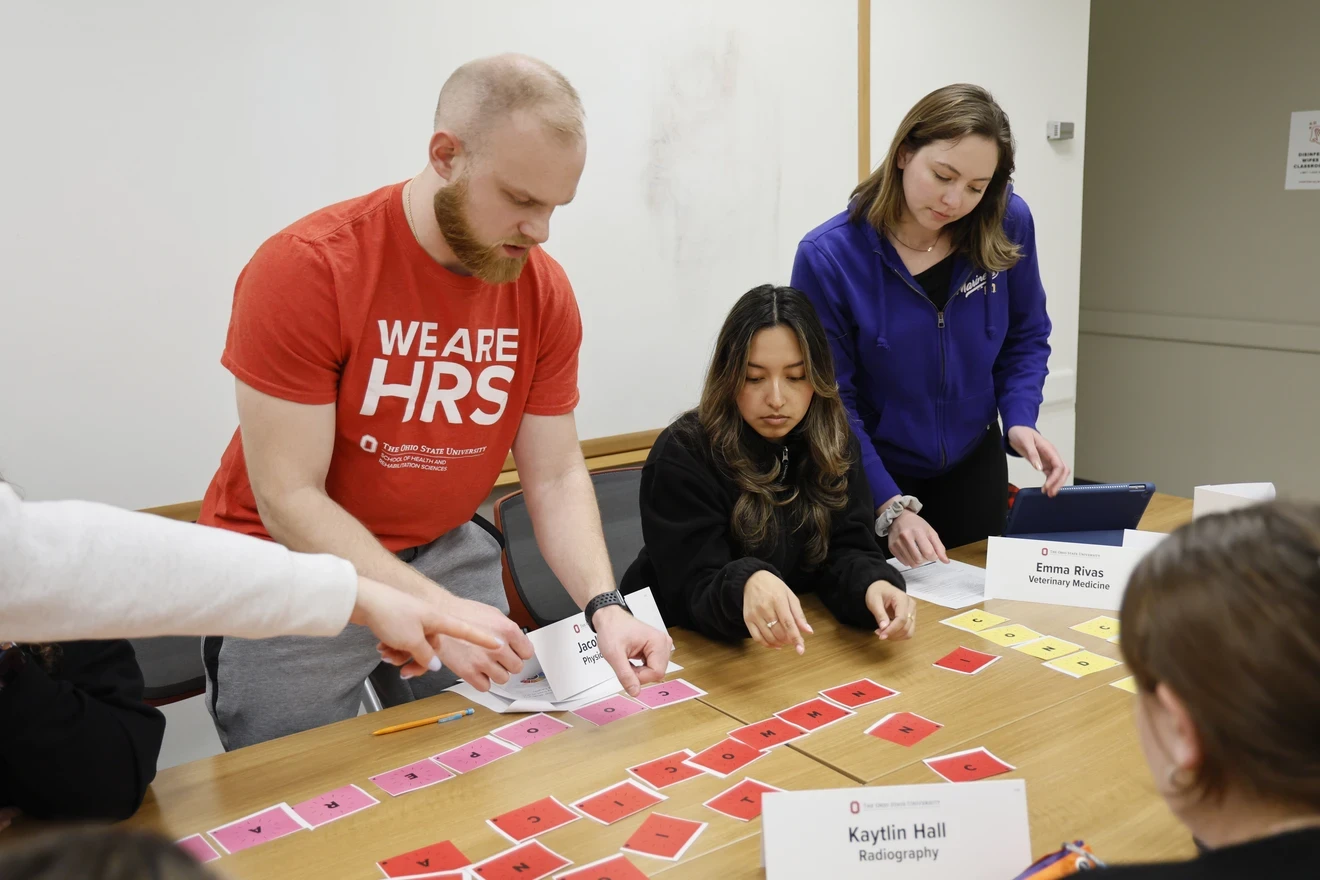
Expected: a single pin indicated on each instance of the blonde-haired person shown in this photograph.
(929, 289)
(758, 494)
(1221, 627)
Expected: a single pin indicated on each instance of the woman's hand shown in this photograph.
(913, 542)
(772, 612)
(895, 611)
(410, 629)
(1040, 454)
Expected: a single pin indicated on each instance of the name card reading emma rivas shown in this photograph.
(967, 830)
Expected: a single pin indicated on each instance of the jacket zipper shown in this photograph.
(784, 459)
(939, 403)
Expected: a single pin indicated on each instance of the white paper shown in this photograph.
(507, 706)
(568, 653)
(955, 585)
(973, 830)
(1142, 541)
(1059, 572)
(1229, 496)
(1304, 151)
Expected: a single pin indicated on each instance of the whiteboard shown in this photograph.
(150, 147)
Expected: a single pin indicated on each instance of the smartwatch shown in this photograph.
(604, 600)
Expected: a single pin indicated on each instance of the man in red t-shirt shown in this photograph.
(389, 352)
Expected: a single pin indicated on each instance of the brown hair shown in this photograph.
(949, 114)
(1226, 612)
(821, 488)
(100, 854)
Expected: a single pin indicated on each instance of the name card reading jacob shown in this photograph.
(570, 655)
(970, 830)
(1059, 573)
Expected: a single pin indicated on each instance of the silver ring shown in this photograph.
(771, 623)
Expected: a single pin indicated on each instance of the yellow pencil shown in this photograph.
(439, 719)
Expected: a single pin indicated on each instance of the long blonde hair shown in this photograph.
(948, 114)
(822, 485)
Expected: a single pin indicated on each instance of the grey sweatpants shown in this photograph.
(266, 688)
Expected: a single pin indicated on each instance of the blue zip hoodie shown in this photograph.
(921, 386)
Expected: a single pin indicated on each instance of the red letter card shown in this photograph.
(334, 805)
(443, 856)
(664, 772)
(527, 822)
(968, 766)
(418, 774)
(616, 867)
(725, 757)
(531, 729)
(478, 753)
(814, 714)
(903, 728)
(530, 861)
(270, 824)
(196, 846)
(618, 802)
(667, 693)
(768, 733)
(859, 693)
(743, 801)
(613, 708)
(966, 661)
(664, 837)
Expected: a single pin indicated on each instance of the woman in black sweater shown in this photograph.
(759, 494)
(76, 740)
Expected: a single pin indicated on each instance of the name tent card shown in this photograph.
(569, 654)
(1059, 572)
(970, 830)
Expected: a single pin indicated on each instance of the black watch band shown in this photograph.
(604, 600)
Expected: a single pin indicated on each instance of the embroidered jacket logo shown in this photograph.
(975, 284)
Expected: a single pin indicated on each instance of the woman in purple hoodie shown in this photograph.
(929, 289)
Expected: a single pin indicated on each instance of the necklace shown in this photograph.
(407, 207)
(911, 248)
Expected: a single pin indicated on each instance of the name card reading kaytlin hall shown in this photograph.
(1059, 572)
(970, 830)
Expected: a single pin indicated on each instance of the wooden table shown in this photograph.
(208, 793)
(1071, 739)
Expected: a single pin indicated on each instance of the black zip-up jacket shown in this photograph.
(77, 742)
(697, 569)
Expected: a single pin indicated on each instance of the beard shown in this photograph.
(485, 261)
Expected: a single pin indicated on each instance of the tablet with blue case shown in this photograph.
(1091, 514)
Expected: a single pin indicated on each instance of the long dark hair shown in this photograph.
(821, 487)
(949, 114)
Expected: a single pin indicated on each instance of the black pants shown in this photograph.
(969, 502)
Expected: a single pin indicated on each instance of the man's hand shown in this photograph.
(622, 637)
(7, 815)
(478, 666)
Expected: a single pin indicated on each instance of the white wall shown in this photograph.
(1032, 54)
(151, 146)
